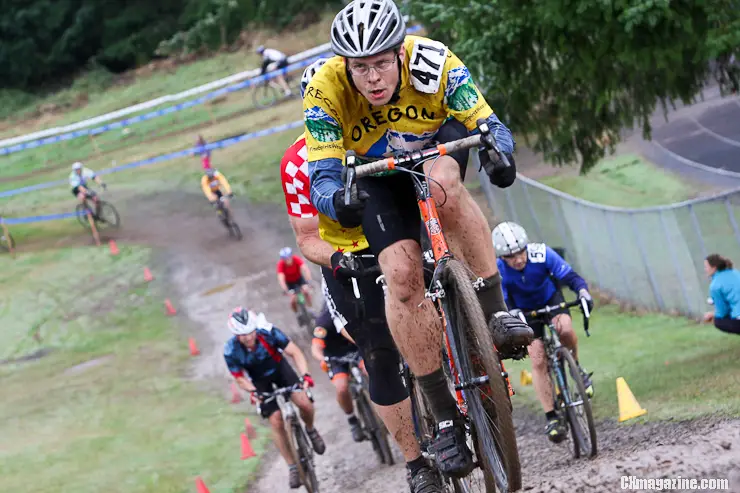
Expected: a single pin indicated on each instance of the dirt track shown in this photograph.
(212, 274)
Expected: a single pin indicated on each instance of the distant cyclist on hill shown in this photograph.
(527, 271)
(293, 274)
(205, 154)
(270, 55)
(211, 183)
(255, 358)
(78, 180)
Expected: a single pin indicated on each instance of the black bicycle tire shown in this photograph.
(461, 301)
(82, 218)
(7, 244)
(107, 205)
(576, 376)
(267, 89)
(377, 429)
(303, 458)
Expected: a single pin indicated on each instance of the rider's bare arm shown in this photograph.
(297, 355)
(206, 187)
(245, 384)
(317, 349)
(346, 335)
(306, 272)
(309, 242)
(281, 281)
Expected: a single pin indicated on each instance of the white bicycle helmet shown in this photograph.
(76, 166)
(286, 252)
(367, 27)
(239, 322)
(509, 238)
(310, 72)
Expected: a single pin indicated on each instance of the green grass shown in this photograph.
(624, 181)
(675, 368)
(133, 423)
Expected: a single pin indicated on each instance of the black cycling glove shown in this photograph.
(498, 173)
(350, 216)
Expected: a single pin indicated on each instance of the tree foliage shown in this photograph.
(45, 40)
(569, 75)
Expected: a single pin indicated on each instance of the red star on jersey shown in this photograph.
(355, 244)
(340, 250)
(343, 230)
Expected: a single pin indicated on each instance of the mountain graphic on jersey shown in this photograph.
(322, 127)
(460, 92)
(394, 141)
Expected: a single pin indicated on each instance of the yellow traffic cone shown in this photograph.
(525, 378)
(628, 406)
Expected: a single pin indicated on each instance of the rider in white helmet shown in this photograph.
(310, 72)
(255, 358)
(79, 179)
(389, 92)
(270, 56)
(532, 274)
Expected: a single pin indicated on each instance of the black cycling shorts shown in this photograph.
(392, 213)
(284, 376)
(538, 325)
(374, 332)
(296, 285)
(76, 191)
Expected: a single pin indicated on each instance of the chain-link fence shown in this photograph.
(652, 258)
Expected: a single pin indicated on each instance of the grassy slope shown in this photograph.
(131, 424)
(624, 181)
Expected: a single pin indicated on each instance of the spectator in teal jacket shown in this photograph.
(724, 291)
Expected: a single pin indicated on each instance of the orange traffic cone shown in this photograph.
(194, 351)
(170, 309)
(247, 451)
(148, 274)
(202, 488)
(251, 432)
(113, 248)
(236, 396)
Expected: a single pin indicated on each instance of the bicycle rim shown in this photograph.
(81, 212)
(305, 461)
(108, 214)
(378, 432)
(489, 407)
(577, 406)
(264, 96)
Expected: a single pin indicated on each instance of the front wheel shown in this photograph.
(488, 404)
(577, 405)
(265, 95)
(7, 243)
(304, 459)
(108, 215)
(376, 429)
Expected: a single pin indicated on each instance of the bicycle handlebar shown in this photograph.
(354, 171)
(352, 359)
(560, 306)
(268, 396)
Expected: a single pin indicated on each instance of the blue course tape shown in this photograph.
(157, 113)
(221, 144)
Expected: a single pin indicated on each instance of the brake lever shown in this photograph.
(586, 316)
(489, 142)
(355, 265)
(350, 187)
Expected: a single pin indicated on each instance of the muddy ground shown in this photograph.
(208, 274)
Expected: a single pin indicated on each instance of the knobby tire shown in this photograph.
(489, 407)
(584, 440)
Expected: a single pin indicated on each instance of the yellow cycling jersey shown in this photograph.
(211, 185)
(435, 85)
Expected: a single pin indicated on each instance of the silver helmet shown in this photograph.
(509, 238)
(367, 27)
(310, 72)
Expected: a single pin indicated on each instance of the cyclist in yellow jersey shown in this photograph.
(324, 241)
(211, 183)
(388, 92)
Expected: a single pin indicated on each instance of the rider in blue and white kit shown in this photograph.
(527, 271)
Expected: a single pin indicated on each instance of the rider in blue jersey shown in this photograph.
(528, 271)
(255, 358)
